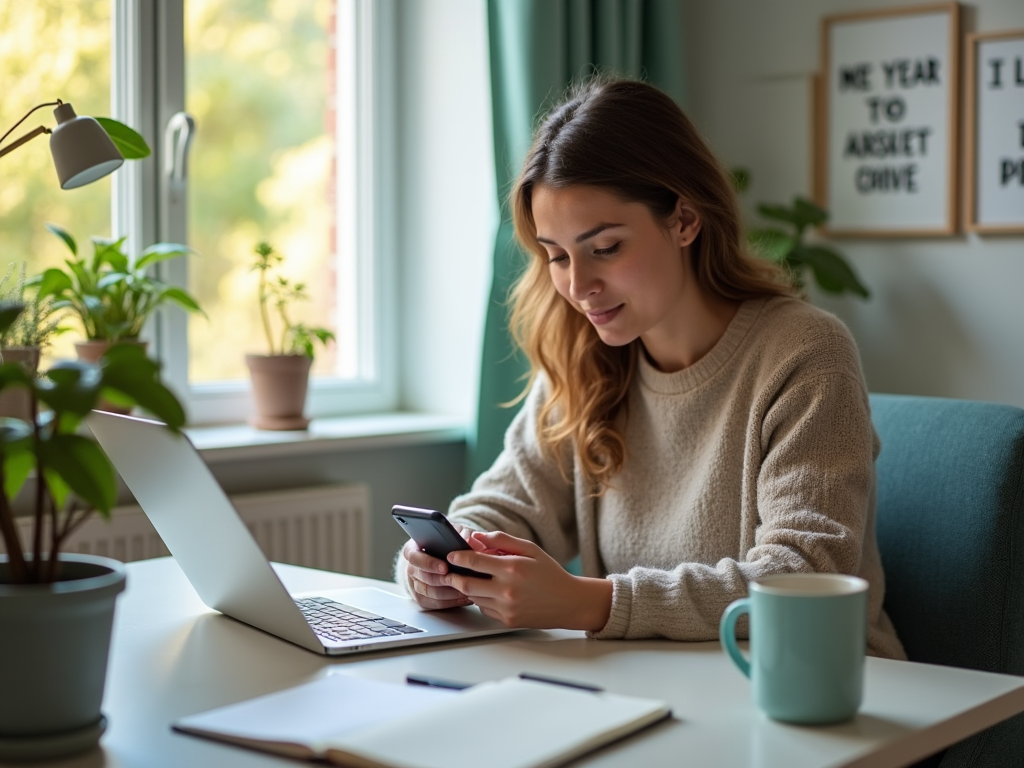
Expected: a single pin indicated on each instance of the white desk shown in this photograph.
(172, 656)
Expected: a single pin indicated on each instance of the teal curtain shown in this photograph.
(537, 47)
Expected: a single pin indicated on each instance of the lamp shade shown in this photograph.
(82, 151)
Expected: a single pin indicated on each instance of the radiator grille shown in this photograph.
(324, 527)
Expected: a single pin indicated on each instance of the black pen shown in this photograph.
(556, 681)
(436, 682)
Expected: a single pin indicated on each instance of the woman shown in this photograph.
(689, 426)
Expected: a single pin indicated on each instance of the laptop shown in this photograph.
(229, 571)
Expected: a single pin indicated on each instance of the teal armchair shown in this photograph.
(951, 533)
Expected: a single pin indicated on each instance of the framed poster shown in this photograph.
(887, 152)
(995, 132)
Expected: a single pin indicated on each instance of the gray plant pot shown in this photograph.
(54, 643)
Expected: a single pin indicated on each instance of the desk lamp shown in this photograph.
(82, 150)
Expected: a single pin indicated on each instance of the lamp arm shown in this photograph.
(24, 139)
(56, 103)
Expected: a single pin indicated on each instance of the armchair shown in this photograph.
(951, 533)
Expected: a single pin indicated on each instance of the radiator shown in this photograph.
(326, 527)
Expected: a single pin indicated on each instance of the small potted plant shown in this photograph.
(24, 341)
(110, 293)
(280, 379)
(787, 246)
(56, 608)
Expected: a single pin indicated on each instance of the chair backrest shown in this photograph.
(951, 534)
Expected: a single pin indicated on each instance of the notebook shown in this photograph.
(231, 574)
(352, 721)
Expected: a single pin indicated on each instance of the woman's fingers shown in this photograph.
(434, 597)
(499, 541)
(417, 558)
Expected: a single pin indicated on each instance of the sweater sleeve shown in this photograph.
(524, 493)
(815, 447)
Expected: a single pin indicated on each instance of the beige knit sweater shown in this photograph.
(757, 459)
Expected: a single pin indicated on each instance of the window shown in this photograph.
(49, 49)
(289, 103)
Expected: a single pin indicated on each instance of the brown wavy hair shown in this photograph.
(632, 140)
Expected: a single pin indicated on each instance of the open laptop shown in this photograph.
(218, 554)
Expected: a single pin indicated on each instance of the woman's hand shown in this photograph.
(527, 587)
(427, 579)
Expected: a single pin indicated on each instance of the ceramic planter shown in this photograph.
(279, 385)
(53, 657)
(16, 401)
(91, 351)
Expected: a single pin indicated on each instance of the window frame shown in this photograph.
(147, 90)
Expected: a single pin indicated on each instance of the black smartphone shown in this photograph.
(434, 534)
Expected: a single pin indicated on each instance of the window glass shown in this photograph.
(49, 50)
(260, 81)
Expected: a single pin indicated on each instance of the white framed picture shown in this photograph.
(887, 159)
(995, 132)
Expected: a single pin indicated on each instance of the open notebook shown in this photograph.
(354, 721)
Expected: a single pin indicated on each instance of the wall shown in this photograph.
(946, 314)
(447, 201)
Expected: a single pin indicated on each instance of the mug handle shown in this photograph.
(727, 632)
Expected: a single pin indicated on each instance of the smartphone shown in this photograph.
(434, 534)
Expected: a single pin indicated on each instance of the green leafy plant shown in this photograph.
(786, 246)
(280, 292)
(128, 141)
(38, 323)
(111, 293)
(71, 477)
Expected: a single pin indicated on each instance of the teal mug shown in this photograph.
(808, 638)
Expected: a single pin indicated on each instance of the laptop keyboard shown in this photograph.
(338, 622)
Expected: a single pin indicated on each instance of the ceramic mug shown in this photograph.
(808, 637)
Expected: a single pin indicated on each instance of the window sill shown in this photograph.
(232, 442)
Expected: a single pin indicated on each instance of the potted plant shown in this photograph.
(24, 341)
(788, 248)
(280, 379)
(110, 293)
(56, 609)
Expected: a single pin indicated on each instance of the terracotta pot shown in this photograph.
(279, 384)
(17, 401)
(53, 657)
(91, 351)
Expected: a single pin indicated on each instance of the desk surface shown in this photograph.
(172, 656)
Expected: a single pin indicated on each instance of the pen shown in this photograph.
(436, 682)
(556, 681)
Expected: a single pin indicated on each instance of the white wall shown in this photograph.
(946, 316)
(447, 201)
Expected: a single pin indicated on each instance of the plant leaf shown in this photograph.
(111, 278)
(128, 372)
(181, 298)
(12, 431)
(14, 374)
(9, 311)
(53, 282)
(81, 464)
(831, 271)
(128, 141)
(809, 213)
(779, 213)
(69, 241)
(17, 467)
(161, 252)
(740, 179)
(70, 386)
(772, 244)
(58, 488)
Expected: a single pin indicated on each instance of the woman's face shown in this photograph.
(617, 264)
